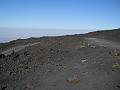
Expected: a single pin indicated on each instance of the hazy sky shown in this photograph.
(65, 14)
(34, 18)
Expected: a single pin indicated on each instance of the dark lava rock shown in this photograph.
(15, 56)
(2, 56)
(3, 88)
(13, 52)
(26, 53)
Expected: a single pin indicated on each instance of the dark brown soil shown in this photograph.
(49, 64)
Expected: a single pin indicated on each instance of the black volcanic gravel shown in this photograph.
(49, 64)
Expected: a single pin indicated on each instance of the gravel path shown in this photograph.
(103, 42)
(18, 48)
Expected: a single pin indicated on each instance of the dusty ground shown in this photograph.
(18, 48)
(63, 63)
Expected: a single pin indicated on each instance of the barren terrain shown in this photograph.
(72, 62)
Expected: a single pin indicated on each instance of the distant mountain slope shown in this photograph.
(113, 35)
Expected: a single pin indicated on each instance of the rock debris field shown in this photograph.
(73, 62)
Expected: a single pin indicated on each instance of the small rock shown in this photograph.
(14, 87)
(49, 70)
(116, 66)
(16, 56)
(118, 86)
(3, 88)
(26, 53)
(54, 85)
(110, 52)
(11, 73)
(13, 52)
(2, 56)
(51, 49)
(73, 80)
(89, 44)
(82, 46)
(26, 67)
(93, 46)
(117, 54)
(83, 61)
(28, 86)
(9, 55)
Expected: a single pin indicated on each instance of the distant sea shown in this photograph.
(9, 34)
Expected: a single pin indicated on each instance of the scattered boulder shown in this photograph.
(15, 56)
(9, 55)
(26, 53)
(118, 86)
(83, 61)
(28, 86)
(117, 54)
(51, 49)
(115, 66)
(2, 56)
(89, 44)
(93, 46)
(3, 88)
(73, 80)
(13, 52)
(110, 52)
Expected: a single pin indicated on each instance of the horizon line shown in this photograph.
(54, 28)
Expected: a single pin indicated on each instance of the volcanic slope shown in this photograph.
(62, 63)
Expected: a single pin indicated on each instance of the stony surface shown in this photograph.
(56, 61)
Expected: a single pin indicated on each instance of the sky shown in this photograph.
(60, 14)
(54, 15)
